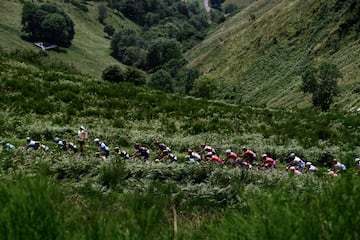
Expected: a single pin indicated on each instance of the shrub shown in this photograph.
(135, 76)
(114, 74)
(113, 174)
(204, 86)
(109, 30)
(161, 80)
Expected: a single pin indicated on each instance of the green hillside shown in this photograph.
(90, 49)
(61, 194)
(258, 54)
(57, 194)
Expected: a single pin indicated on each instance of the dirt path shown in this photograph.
(206, 5)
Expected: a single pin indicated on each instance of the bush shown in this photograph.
(135, 76)
(161, 80)
(109, 30)
(114, 74)
(204, 86)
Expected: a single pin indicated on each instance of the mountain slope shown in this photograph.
(258, 55)
(90, 49)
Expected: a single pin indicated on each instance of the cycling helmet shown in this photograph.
(56, 139)
(28, 139)
(96, 140)
(228, 151)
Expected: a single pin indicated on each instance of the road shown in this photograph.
(206, 5)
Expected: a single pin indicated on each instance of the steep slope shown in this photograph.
(258, 55)
(89, 51)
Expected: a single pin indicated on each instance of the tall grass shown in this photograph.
(319, 210)
(27, 209)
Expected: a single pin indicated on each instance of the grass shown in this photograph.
(90, 49)
(58, 195)
(259, 61)
(55, 195)
(237, 51)
(122, 114)
(288, 213)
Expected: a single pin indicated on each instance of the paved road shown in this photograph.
(207, 7)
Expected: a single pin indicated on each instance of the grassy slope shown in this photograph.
(237, 51)
(265, 57)
(102, 198)
(44, 102)
(89, 51)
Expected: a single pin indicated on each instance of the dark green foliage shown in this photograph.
(163, 50)
(113, 174)
(351, 22)
(114, 74)
(128, 47)
(27, 211)
(161, 80)
(309, 83)
(184, 80)
(47, 23)
(109, 30)
(117, 74)
(167, 27)
(322, 84)
(135, 76)
(283, 213)
(216, 3)
(217, 16)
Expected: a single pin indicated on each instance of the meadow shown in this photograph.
(57, 195)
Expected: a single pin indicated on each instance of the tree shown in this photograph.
(204, 86)
(128, 47)
(161, 80)
(47, 23)
(321, 82)
(162, 50)
(54, 24)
